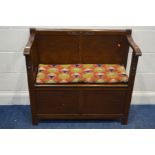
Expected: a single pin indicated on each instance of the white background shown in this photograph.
(73, 13)
(14, 90)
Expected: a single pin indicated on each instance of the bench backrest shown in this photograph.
(82, 46)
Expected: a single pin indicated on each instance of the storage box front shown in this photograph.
(103, 102)
(80, 102)
(57, 102)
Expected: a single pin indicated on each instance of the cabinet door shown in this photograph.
(103, 102)
(57, 102)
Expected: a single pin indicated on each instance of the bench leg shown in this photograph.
(124, 120)
(34, 120)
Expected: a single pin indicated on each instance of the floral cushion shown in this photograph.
(81, 73)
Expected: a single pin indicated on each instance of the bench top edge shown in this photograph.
(83, 30)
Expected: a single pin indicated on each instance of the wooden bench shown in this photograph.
(80, 98)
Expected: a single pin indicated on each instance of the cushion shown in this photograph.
(81, 73)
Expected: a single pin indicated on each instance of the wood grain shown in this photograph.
(80, 101)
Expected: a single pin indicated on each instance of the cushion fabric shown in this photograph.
(81, 73)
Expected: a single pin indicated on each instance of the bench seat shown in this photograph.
(81, 73)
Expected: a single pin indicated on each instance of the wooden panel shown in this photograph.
(104, 49)
(57, 102)
(70, 102)
(103, 102)
(58, 49)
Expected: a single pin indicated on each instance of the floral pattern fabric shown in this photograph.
(81, 73)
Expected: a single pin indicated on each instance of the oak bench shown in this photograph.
(80, 73)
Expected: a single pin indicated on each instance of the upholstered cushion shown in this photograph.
(81, 73)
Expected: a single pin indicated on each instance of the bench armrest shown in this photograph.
(133, 45)
(134, 60)
(28, 47)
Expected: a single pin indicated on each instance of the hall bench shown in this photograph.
(80, 73)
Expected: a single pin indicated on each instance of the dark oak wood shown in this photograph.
(80, 101)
